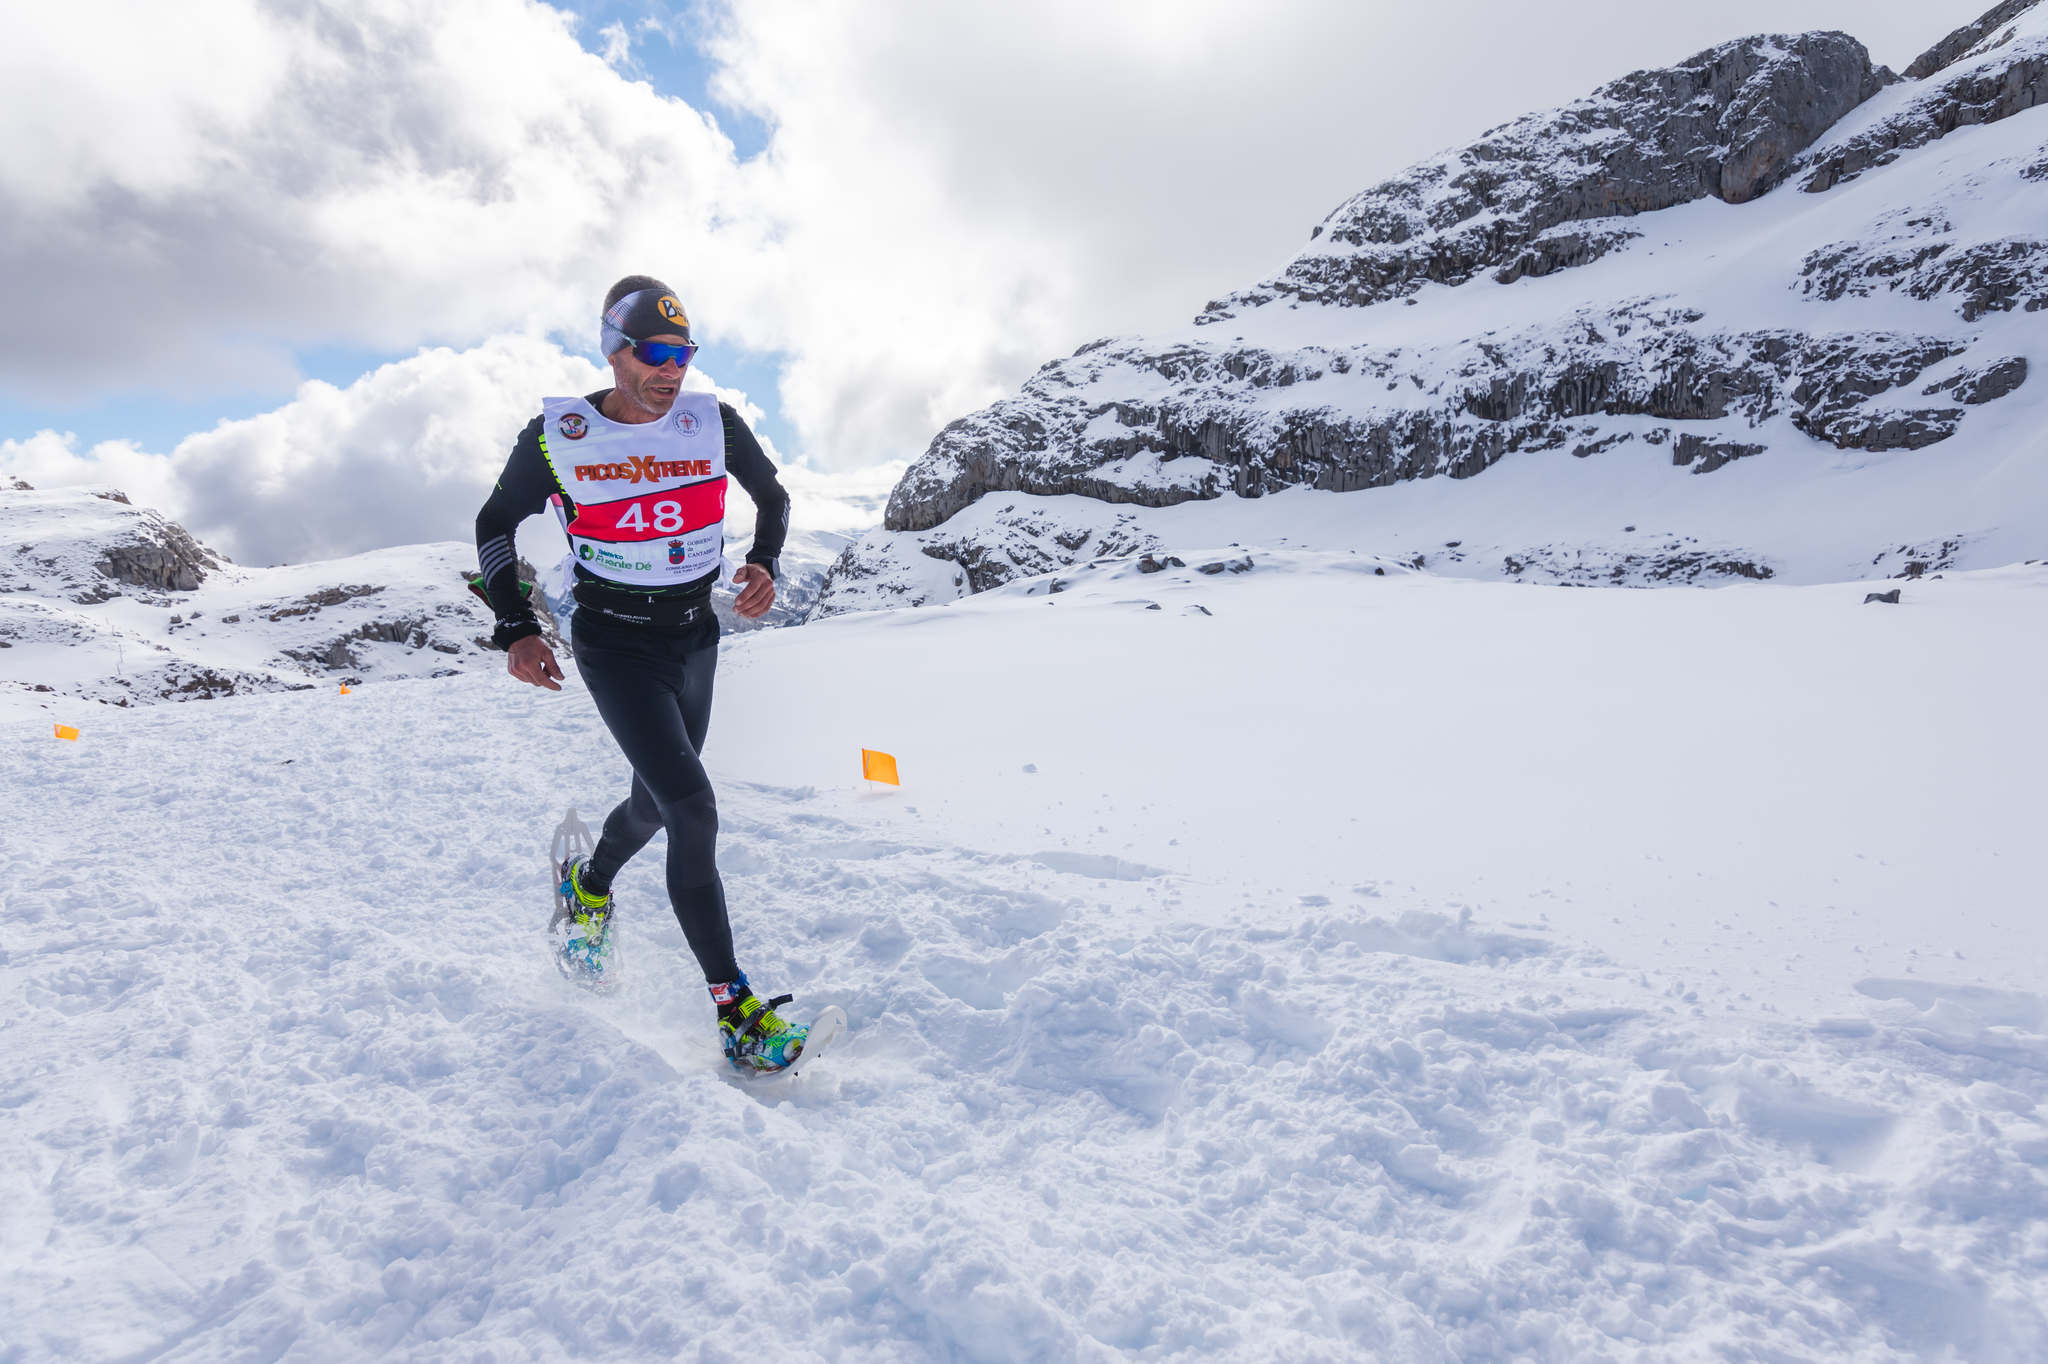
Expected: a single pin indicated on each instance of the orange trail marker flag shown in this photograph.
(67, 732)
(878, 766)
(344, 689)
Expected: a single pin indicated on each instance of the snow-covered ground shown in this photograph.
(1337, 962)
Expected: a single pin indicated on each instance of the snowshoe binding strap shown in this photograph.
(750, 1023)
(756, 1039)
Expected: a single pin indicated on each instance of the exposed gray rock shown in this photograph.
(159, 555)
(1708, 455)
(1959, 44)
(1917, 560)
(1975, 386)
(1974, 93)
(1680, 560)
(1992, 277)
(1562, 248)
(1890, 598)
(1728, 124)
(410, 630)
(1922, 256)
(206, 684)
(1028, 544)
(1507, 393)
(999, 543)
(1841, 376)
(310, 604)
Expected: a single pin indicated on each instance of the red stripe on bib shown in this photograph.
(653, 516)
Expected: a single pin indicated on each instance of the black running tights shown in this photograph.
(653, 690)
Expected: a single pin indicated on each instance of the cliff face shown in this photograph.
(1772, 253)
(1727, 125)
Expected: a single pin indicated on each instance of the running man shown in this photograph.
(641, 470)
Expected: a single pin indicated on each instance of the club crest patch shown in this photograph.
(686, 422)
(675, 551)
(572, 426)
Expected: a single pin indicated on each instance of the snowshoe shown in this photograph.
(585, 947)
(758, 1040)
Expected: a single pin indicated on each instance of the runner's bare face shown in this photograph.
(644, 393)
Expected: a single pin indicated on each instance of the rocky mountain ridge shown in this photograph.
(1539, 194)
(1773, 255)
(103, 602)
(107, 602)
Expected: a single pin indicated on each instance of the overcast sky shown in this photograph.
(297, 272)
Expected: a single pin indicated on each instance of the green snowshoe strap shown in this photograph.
(476, 585)
(751, 1020)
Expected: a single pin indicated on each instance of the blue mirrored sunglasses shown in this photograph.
(655, 354)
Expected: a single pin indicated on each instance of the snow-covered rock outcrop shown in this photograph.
(1777, 301)
(110, 603)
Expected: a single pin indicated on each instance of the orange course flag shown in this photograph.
(344, 689)
(878, 766)
(67, 732)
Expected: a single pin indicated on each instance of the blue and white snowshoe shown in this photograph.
(581, 932)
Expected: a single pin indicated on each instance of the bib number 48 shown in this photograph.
(666, 518)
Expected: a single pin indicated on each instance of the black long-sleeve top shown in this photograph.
(527, 483)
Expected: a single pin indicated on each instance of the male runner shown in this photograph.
(641, 468)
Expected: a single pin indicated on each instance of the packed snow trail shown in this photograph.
(286, 1074)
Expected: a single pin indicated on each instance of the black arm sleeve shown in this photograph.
(523, 489)
(745, 461)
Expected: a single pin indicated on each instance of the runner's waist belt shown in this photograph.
(645, 610)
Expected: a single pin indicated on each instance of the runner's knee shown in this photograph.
(692, 825)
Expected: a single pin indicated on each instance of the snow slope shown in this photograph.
(1339, 961)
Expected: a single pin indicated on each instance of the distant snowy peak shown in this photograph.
(102, 602)
(1766, 266)
(1728, 124)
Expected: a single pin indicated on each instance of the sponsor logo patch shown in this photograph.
(572, 426)
(586, 553)
(675, 551)
(672, 310)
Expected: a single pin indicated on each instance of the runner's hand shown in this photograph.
(531, 660)
(757, 591)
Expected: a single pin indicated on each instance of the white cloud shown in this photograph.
(52, 459)
(378, 175)
(618, 46)
(141, 104)
(953, 195)
(405, 455)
